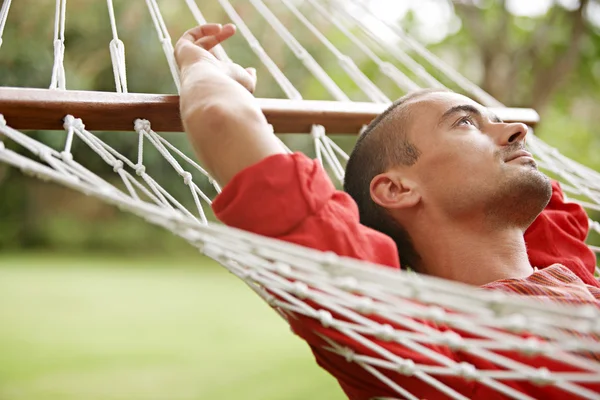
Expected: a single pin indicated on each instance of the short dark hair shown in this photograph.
(383, 144)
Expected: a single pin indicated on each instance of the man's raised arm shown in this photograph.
(220, 115)
(266, 191)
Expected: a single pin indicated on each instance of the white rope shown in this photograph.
(388, 69)
(117, 53)
(583, 179)
(58, 80)
(300, 52)
(273, 282)
(466, 85)
(394, 50)
(142, 127)
(289, 276)
(165, 40)
(347, 64)
(3, 16)
(288, 88)
(437, 289)
(324, 149)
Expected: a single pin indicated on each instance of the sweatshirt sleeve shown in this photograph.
(290, 197)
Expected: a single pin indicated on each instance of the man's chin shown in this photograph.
(521, 199)
(536, 190)
(537, 177)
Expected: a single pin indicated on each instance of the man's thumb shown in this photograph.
(184, 52)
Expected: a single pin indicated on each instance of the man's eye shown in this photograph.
(465, 121)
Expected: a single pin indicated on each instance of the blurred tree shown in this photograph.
(525, 60)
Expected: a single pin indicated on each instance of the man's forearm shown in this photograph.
(224, 122)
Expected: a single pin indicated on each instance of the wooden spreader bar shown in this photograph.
(103, 111)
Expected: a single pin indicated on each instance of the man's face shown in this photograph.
(472, 164)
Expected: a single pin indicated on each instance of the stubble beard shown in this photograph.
(519, 198)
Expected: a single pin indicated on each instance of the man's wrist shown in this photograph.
(203, 86)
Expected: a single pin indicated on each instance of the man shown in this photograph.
(446, 186)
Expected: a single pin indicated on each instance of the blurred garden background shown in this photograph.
(98, 304)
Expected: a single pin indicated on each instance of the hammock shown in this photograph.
(361, 312)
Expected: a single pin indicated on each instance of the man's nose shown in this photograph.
(511, 133)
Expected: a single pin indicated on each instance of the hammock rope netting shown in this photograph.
(361, 312)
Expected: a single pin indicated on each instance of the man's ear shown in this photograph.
(391, 191)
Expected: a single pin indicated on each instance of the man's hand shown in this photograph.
(221, 117)
(193, 49)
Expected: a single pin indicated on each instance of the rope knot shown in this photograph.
(118, 166)
(187, 177)
(66, 156)
(300, 290)
(516, 323)
(140, 170)
(347, 283)
(282, 268)
(142, 125)
(406, 367)
(117, 44)
(467, 371)
(541, 376)
(325, 318)
(330, 258)
(453, 340)
(531, 347)
(271, 300)
(348, 354)
(317, 131)
(385, 332)
(365, 305)
(436, 314)
(72, 122)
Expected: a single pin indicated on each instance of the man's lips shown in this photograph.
(519, 154)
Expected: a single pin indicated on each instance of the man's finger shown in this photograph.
(210, 29)
(208, 42)
(202, 30)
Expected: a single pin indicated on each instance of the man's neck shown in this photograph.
(476, 257)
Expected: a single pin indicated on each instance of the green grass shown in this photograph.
(96, 327)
